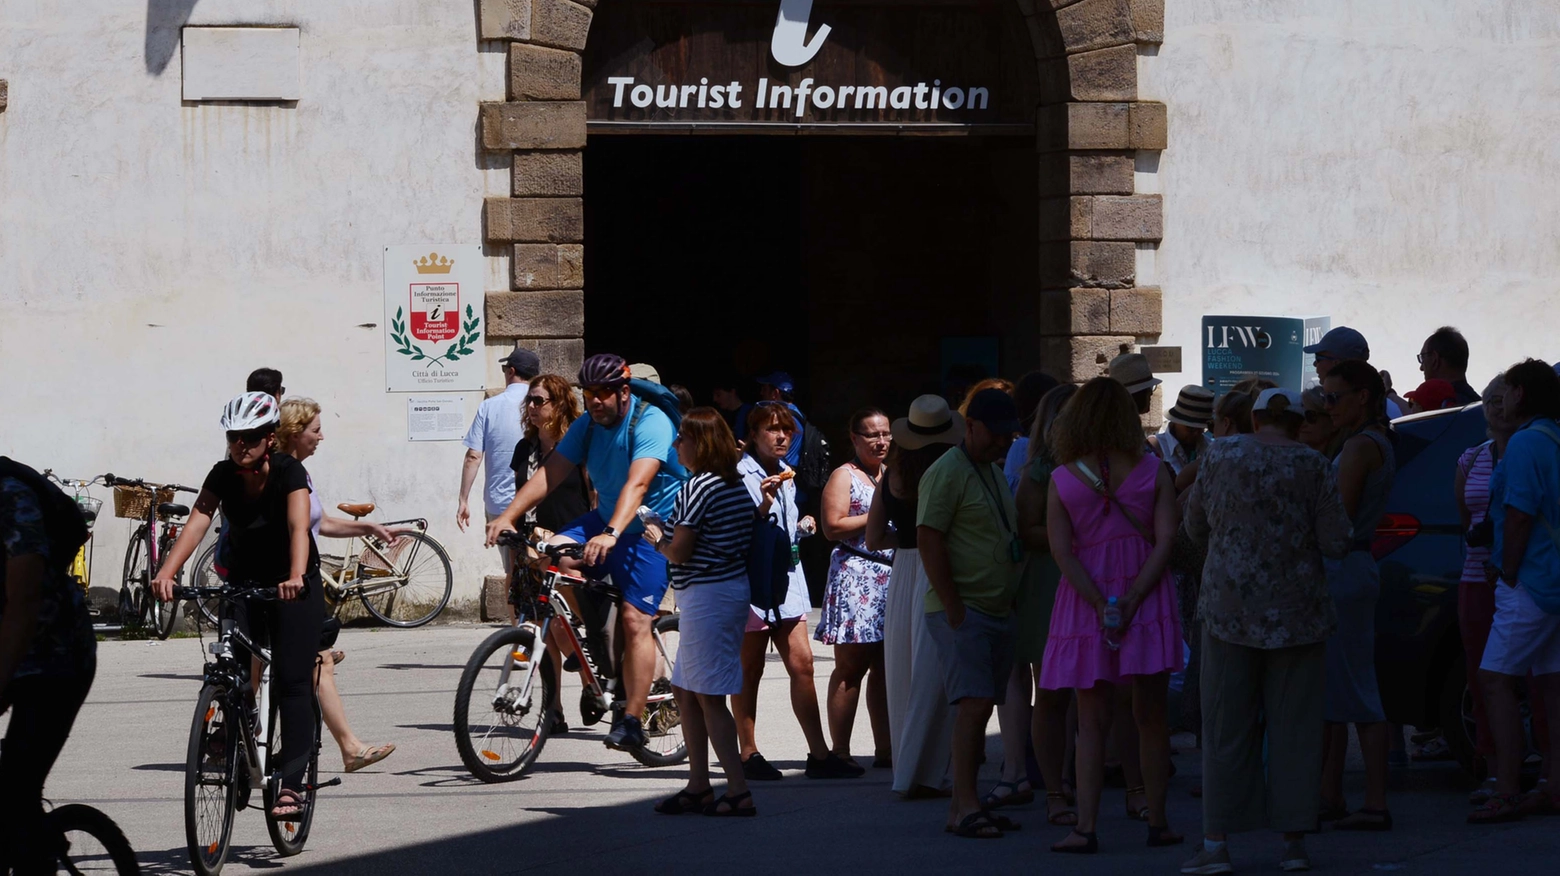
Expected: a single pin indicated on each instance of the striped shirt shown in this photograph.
(1477, 465)
(722, 513)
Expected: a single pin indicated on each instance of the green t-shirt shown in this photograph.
(959, 498)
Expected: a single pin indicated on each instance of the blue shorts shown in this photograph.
(636, 568)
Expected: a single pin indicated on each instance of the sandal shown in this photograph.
(1482, 794)
(289, 799)
(1537, 802)
(685, 801)
(1140, 813)
(978, 825)
(1499, 809)
(1090, 846)
(1013, 797)
(337, 657)
(368, 757)
(1066, 817)
(732, 810)
(1366, 819)
(1003, 823)
(1163, 836)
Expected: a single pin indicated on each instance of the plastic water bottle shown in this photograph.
(1112, 624)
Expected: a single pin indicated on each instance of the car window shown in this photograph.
(1427, 451)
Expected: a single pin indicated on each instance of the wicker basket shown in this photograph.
(134, 503)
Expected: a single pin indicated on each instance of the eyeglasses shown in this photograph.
(1316, 416)
(1331, 399)
(874, 436)
(249, 437)
(601, 393)
(537, 401)
(1323, 357)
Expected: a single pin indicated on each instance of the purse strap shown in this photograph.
(1097, 485)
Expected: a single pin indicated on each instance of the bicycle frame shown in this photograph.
(348, 582)
(226, 673)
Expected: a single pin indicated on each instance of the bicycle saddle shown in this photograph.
(356, 509)
(169, 509)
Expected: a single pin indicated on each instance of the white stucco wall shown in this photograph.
(152, 253)
(1391, 164)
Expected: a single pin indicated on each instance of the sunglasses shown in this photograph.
(1331, 399)
(601, 393)
(248, 438)
(537, 401)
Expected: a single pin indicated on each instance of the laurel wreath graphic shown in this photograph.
(460, 348)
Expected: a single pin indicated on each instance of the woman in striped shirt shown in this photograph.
(706, 542)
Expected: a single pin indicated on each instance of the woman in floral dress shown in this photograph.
(856, 596)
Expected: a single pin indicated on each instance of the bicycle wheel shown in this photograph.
(288, 837)
(663, 721)
(93, 843)
(416, 590)
(210, 782)
(500, 734)
(134, 581)
(205, 611)
(161, 617)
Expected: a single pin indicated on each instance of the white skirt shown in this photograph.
(711, 620)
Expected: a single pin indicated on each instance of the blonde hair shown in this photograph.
(1001, 383)
(1099, 418)
(297, 414)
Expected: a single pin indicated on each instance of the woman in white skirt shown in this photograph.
(919, 718)
(706, 542)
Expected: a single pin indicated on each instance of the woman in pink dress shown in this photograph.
(1111, 518)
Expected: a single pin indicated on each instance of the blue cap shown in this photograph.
(779, 380)
(996, 409)
(1342, 343)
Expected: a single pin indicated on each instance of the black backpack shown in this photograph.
(812, 467)
(769, 567)
(63, 522)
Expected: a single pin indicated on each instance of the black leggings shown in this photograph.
(42, 713)
(293, 631)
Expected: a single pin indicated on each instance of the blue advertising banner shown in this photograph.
(1236, 348)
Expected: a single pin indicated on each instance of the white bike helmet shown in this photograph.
(252, 410)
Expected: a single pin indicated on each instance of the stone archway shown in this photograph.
(1091, 129)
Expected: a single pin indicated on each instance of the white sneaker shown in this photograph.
(1207, 863)
(1294, 860)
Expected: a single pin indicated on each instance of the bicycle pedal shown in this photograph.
(328, 783)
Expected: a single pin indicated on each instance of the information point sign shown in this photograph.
(434, 318)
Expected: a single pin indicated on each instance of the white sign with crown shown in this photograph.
(434, 318)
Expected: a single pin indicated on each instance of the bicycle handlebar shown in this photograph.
(555, 551)
(112, 481)
(230, 591)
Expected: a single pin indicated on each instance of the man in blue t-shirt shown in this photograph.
(1525, 632)
(626, 447)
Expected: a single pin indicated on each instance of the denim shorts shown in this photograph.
(976, 658)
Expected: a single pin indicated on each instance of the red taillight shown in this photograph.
(1394, 531)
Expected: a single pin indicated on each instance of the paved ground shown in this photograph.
(589, 808)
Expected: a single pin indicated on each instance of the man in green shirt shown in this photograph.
(967, 526)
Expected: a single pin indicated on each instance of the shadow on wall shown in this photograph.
(164, 21)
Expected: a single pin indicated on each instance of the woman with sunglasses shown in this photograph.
(264, 497)
(856, 595)
(1318, 431)
(1354, 394)
(550, 408)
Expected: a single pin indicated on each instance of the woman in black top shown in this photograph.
(550, 407)
(265, 500)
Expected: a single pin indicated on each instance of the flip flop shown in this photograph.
(368, 757)
(685, 801)
(338, 657)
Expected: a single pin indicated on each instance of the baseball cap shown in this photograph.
(524, 362)
(644, 371)
(1342, 343)
(1292, 401)
(1432, 395)
(779, 380)
(995, 408)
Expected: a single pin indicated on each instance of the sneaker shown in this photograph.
(1207, 862)
(560, 724)
(833, 767)
(757, 769)
(626, 734)
(1294, 859)
(571, 663)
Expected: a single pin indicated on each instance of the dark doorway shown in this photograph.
(864, 266)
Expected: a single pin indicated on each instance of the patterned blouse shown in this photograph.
(65, 644)
(1268, 515)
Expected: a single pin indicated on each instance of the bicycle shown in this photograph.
(84, 840)
(502, 722)
(404, 584)
(161, 520)
(81, 565)
(234, 746)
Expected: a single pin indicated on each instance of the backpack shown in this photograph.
(63, 522)
(769, 568)
(646, 395)
(812, 467)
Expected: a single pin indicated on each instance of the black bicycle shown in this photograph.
(508, 698)
(235, 745)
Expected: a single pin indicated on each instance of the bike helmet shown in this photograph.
(604, 369)
(252, 410)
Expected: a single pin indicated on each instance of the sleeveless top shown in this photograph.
(1373, 498)
(901, 516)
(861, 494)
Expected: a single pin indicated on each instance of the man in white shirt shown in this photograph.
(1186, 426)
(492, 438)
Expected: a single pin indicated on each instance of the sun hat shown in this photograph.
(1433, 394)
(1133, 371)
(1193, 408)
(1293, 403)
(931, 421)
(995, 409)
(644, 371)
(1342, 343)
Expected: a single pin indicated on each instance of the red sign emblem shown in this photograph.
(435, 311)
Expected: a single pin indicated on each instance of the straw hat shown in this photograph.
(1133, 371)
(1193, 409)
(930, 422)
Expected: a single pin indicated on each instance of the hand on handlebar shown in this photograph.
(290, 589)
(162, 588)
(596, 549)
(496, 527)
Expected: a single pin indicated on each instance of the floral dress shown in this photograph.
(856, 597)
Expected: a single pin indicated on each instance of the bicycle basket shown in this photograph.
(90, 508)
(133, 503)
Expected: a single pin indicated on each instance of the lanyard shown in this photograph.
(989, 491)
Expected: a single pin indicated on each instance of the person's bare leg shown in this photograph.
(696, 736)
(1013, 718)
(638, 659)
(1150, 705)
(851, 663)
(1048, 728)
(796, 651)
(1505, 717)
(1375, 746)
(744, 706)
(1095, 705)
(969, 739)
(877, 703)
(1123, 744)
(721, 731)
(334, 712)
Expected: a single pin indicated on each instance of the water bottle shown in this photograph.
(1112, 624)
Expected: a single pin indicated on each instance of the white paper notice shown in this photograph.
(436, 418)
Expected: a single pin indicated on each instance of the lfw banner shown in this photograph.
(1236, 348)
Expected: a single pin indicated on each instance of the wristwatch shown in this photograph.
(1509, 579)
(609, 531)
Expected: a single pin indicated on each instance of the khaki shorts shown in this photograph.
(976, 658)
